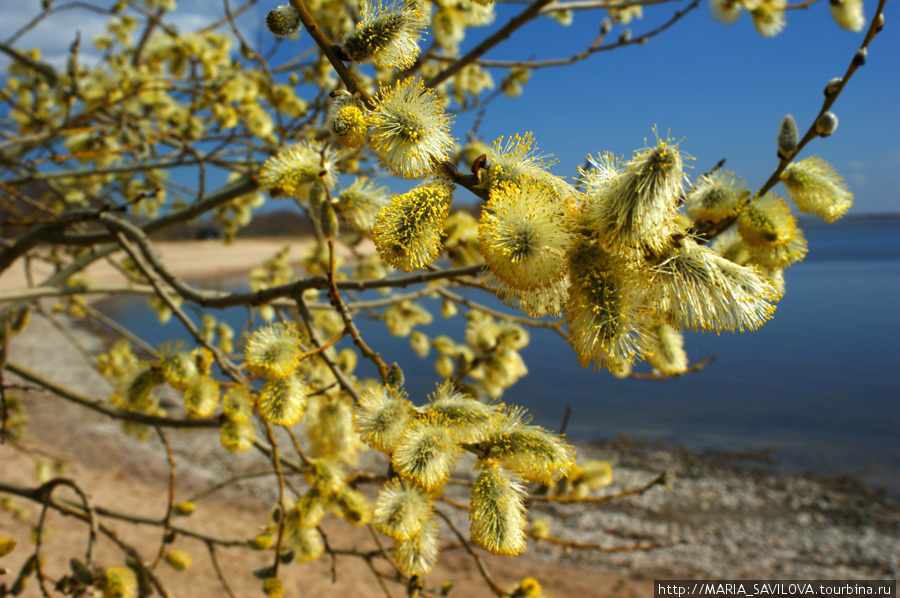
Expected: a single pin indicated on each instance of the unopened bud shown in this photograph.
(329, 220)
(859, 58)
(788, 137)
(284, 21)
(879, 22)
(826, 124)
(81, 572)
(180, 560)
(833, 86)
(625, 36)
(540, 529)
(395, 376)
(318, 193)
(6, 546)
(606, 26)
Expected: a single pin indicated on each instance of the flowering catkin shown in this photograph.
(408, 232)
(410, 129)
(817, 189)
(497, 519)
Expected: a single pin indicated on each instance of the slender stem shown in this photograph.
(170, 503)
(327, 47)
(339, 305)
(270, 433)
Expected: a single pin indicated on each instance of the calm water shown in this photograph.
(819, 382)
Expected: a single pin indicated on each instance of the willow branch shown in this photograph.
(694, 367)
(232, 480)
(281, 521)
(211, 548)
(482, 567)
(660, 480)
(710, 230)
(593, 49)
(601, 548)
(478, 51)
(170, 502)
(141, 252)
(327, 47)
(533, 323)
(316, 338)
(105, 408)
(338, 304)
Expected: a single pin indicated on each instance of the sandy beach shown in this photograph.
(191, 260)
(721, 517)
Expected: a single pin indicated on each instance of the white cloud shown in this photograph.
(858, 179)
(54, 35)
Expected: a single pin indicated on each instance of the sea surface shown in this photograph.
(819, 384)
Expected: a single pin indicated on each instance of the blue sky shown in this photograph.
(723, 89)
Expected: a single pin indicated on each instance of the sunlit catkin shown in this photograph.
(387, 35)
(283, 21)
(848, 14)
(781, 256)
(524, 238)
(180, 560)
(716, 196)
(497, 519)
(426, 452)
(408, 232)
(329, 427)
(202, 398)
(725, 11)
(282, 401)
(401, 509)
(347, 118)
(604, 311)
(418, 554)
(696, 288)
(468, 416)
(237, 436)
(410, 129)
(306, 542)
(137, 389)
(533, 452)
(382, 416)
(360, 202)
(817, 189)
(274, 351)
(768, 17)
(178, 368)
(517, 160)
(353, 506)
(237, 403)
(635, 207)
(767, 222)
(117, 582)
(292, 171)
(668, 350)
(326, 475)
